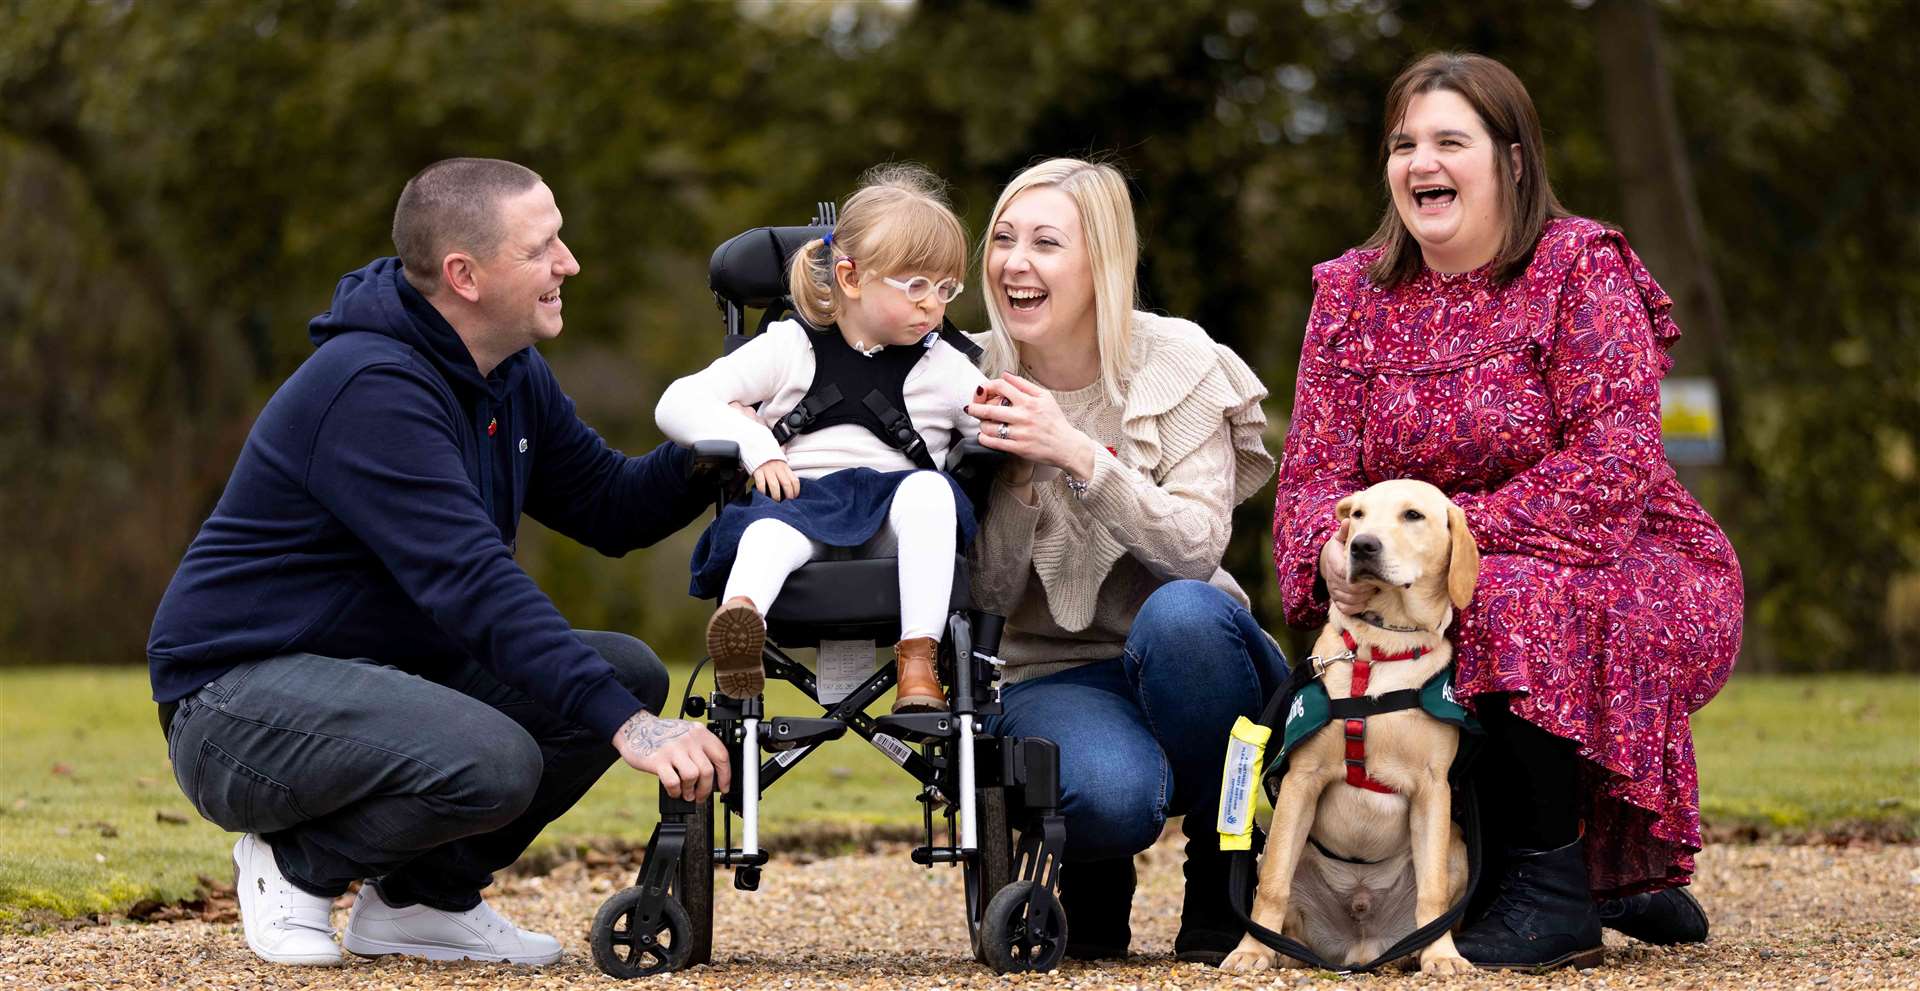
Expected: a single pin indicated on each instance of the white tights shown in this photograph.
(920, 527)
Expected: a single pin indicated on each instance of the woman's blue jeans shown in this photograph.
(1142, 736)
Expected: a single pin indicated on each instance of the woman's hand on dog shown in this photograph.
(776, 481)
(689, 761)
(1037, 430)
(1349, 599)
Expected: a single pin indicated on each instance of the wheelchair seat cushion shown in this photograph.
(844, 509)
(848, 600)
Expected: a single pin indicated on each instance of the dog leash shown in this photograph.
(1240, 881)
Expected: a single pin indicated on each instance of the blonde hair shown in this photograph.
(898, 221)
(1099, 192)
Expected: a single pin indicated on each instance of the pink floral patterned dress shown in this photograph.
(1609, 602)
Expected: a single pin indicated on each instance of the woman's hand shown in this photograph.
(776, 481)
(1348, 598)
(1022, 419)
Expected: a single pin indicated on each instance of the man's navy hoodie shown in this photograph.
(374, 509)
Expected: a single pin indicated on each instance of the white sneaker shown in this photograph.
(283, 923)
(376, 928)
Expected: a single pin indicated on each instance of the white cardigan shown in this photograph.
(774, 370)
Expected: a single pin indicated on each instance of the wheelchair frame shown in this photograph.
(985, 784)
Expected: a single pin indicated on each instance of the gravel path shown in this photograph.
(1783, 916)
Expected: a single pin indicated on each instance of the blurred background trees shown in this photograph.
(181, 184)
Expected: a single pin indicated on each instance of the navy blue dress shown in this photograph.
(844, 509)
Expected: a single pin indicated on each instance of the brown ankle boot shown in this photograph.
(735, 635)
(919, 686)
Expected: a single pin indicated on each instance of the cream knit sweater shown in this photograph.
(1070, 573)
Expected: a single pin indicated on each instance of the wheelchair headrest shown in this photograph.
(750, 269)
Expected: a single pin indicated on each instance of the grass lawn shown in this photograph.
(91, 820)
(1833, 753)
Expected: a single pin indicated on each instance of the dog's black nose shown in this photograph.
(1365, 545)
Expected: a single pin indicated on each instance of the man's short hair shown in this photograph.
(454, 205)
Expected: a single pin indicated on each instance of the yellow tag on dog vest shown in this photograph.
(1240, 783)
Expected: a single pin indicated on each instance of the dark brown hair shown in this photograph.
(1507, 112)
(454, 205)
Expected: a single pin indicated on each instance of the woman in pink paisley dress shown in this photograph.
(1488, 342)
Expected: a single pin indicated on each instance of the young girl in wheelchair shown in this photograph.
(855, 406)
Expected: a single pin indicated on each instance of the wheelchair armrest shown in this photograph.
(973, 465)
(971, 459)
(716, 463)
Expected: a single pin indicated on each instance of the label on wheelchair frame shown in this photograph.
(843, 665)
(785, 758)
(895, 750)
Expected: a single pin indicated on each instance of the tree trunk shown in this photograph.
(1663, 215)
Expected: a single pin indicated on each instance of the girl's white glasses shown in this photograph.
(919, 286)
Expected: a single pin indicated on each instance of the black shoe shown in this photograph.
(1662, 918)
(1097, 896)
(1542, 918)
(1208, 928)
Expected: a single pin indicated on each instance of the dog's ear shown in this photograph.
(1342, 512)
(1463, 561)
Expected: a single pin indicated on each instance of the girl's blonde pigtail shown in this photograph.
(810, 283)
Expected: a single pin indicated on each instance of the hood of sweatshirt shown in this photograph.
(378, 299)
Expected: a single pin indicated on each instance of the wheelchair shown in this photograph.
(984, 786)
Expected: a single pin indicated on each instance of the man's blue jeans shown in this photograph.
(1142, 736)
(351, 769)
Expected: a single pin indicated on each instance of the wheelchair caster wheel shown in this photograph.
(621, 950)
(1009, 943)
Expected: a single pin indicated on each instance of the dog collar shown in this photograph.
(1373, 619)
(1359, 675)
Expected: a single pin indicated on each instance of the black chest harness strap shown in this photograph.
(878, 377)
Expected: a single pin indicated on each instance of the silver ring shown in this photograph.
(1002, 432)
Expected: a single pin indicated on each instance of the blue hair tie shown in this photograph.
(827, 240)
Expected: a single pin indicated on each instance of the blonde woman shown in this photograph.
(1134, 435)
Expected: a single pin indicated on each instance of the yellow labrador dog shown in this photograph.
(1362, 852)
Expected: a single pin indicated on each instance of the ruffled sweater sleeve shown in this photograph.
(1583, 504)
(1322, 460)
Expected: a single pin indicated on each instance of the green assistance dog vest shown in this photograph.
(1310, 709)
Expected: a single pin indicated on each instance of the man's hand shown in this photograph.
(689, 761)
(1349, 599)
(776, 481)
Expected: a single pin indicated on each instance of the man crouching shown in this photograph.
(351, 669)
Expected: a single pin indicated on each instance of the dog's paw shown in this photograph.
(1439, 963)
(1250, 956)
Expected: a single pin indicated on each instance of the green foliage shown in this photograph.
(180, 187)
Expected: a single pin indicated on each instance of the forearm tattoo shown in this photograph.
(646, 733)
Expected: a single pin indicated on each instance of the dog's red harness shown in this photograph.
(1356, 728)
